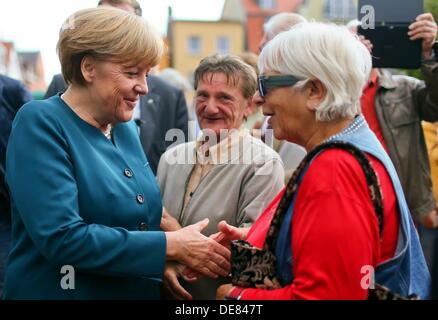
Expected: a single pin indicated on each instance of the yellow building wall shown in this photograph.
(313, 9)
(208, 32)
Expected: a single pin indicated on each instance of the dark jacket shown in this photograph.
(162, 109)
(13, 95)
(401, 103)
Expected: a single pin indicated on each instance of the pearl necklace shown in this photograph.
(108, 133)
(357, 123)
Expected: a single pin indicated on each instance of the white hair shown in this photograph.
(281, 22)
(326, 52)
(176, 79)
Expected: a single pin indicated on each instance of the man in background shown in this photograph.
(394, 106)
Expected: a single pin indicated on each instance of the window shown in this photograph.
(267, 4)
(339, 10)
(194, 45)
(223, 45)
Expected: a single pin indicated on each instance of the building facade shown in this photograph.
(190, 41)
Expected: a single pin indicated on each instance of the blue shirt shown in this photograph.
(80, 199)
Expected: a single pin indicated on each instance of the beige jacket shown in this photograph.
(236, 190)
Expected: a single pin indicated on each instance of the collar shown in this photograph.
(225, 151)
(385, 79)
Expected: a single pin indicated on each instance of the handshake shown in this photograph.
(191, 255)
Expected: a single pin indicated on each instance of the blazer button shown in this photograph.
(140, 198)
(143, 226)
(128, 173)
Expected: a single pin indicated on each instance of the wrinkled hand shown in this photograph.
(168, 223)
(198, 252)
(430, 220)
(226, 234)
(223, 291)
(172, 272)
(424, 28)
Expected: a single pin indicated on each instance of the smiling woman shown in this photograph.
(83, 192)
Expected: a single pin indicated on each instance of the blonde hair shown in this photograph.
(106, 34)
(329, 53)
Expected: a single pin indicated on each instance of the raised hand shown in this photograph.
(424, 28)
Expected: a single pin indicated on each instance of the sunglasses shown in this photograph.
(266, 83)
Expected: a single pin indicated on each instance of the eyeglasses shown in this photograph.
(267, 83)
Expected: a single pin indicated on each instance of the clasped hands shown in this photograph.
(194, 255)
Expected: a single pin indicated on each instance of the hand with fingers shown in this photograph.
(172, 272)
(424, 28)
(226, 234)
(198, 252)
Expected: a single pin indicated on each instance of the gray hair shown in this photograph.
(326, 52)
(175, 78)
(281, 22)
(234, 68)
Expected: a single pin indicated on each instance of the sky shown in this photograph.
(34, 24)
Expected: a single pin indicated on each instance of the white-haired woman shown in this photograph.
(330, 229)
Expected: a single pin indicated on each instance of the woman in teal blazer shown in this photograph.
(86, 208)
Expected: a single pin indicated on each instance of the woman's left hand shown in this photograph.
(172, 272)
(223, 291)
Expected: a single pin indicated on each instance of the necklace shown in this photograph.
(357, 123)
(107, 133)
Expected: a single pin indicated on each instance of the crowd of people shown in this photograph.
(90, 181)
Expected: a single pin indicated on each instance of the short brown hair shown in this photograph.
(233, 67)
(106, 34)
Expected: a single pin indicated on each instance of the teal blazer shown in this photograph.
(81, 200)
